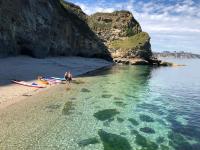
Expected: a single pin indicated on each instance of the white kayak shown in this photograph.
(35, 85)
(56, 78)
(52, 81)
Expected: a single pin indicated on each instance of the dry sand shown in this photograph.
(27, 69)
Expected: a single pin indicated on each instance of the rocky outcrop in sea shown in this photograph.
(123, 36)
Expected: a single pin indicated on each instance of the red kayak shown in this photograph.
(35, 85)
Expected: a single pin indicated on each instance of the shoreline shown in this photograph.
(11, 94)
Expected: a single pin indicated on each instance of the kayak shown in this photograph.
(43, 82)
(35, 85)
(56, 78)
(52, 81)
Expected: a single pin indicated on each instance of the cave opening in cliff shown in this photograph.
(26, 51)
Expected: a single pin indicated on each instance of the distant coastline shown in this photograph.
(180, 54)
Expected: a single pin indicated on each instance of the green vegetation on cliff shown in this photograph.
(109, 26)
(131, 42)
(122, 34)
(74, 9)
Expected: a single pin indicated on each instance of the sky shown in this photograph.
(174, 25)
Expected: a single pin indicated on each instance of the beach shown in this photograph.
(27, 69)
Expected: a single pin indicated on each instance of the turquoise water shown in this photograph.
(121, 108)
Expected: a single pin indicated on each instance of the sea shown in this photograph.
(118, 108)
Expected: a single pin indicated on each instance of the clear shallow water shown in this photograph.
(122, 108)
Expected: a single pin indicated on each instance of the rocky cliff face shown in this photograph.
(45, 27)
(114, 26)
(122, 34)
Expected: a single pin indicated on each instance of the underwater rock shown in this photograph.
(111, 119)
(78, 82)
(120, 103)
(80, 113)
(160, 140)
(133, 132)
(113, 141)
(130, 127)
(73, 98)
(151, 145)
(118, 98)
(107, 123)
(178, 141)
(120, 119)
(97, 107)
(147, 130)
(105, 114)
(67, 108)
(53, 106)
(144, 143)
(85, 90)
(141, 140)
(123, 133)
(131, 96)
(89, 141)
(163, 147)
(146, 118)
(106, 96)
(133, 121)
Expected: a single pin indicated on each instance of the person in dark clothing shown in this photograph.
(68, 76)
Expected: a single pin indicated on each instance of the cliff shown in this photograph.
(114, 26)
(41, 28)
(122, 34)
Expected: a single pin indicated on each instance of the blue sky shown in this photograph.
(172, 24)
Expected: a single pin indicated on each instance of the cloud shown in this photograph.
(172, 25)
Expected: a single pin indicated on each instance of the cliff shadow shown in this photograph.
(27, 68)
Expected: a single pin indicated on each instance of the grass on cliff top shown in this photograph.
(131, 42)
(73, 8)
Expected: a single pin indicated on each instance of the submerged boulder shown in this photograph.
(105, 114)
(68, 108)
(133, 121)
(114, 141)
(88, 141)
(147, 130)
(145, 143)
(146, 118)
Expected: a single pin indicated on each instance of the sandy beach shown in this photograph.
(27, 69)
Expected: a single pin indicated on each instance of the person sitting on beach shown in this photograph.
(41, 78)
